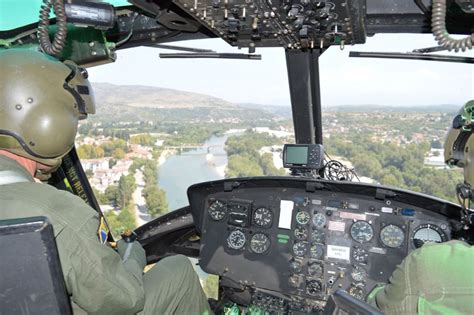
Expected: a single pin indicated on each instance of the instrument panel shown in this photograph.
(306, 243)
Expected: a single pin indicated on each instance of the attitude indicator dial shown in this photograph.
(428, 233)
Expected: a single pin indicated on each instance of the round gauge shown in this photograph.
(357, 292)
(392, 236)
(313, 287)
(317, 236)
(236, 239)
(316, 251)
(358, 274)
(362, 231)
(299, 249)
(315, 269)
(359, 254)
(259, 243)
(217, 210)
(319, 220)
(295, 266)
(263, 217)
(302, 217)
(301, 233)
(428, 233)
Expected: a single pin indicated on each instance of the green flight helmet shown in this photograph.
(459, 144)
(41, 101)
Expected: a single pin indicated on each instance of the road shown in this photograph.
(140, 209)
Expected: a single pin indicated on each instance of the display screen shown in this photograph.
(296, 155)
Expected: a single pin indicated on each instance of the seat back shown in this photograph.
(31, 280)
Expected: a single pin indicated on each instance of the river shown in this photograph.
(180, 171)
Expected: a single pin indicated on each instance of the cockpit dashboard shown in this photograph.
(286, 244)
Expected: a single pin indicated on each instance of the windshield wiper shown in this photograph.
(212, 55)
(410, 56)
(181, 48)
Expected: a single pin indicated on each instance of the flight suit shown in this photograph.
(434, 279)
(95, 275)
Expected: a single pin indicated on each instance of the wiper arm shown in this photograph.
(181, 48)
(429, 49)
(410, 56)
(212, 55)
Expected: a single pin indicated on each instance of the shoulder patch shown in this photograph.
(103, 231)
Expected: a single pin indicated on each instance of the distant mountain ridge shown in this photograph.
(146, 103)
(154, 97)
(139, 102)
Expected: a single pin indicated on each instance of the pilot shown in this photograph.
(438, 278)
(41, 101)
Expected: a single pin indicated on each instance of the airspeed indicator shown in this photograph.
(217, 210)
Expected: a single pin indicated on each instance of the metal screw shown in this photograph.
(29, 100)
(18, 106)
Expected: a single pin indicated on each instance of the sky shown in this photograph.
(344, 80)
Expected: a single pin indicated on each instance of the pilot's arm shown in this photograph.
(434, 279)
(99, 281)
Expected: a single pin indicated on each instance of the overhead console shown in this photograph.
(291, 242)
(292, 24)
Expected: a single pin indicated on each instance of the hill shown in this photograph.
(130, 103)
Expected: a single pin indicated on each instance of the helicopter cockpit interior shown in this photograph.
(283, 244)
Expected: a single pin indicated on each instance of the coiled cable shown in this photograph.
(55, 48)
(438, 27)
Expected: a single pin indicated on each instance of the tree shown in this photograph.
(118, 154)
(112, 194)
(156, 201)
(126, 186)
(101, 197)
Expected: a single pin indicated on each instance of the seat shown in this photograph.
(31, 280)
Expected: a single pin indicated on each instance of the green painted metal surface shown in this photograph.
(17, 13)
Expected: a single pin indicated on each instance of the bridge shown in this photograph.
(183, 147)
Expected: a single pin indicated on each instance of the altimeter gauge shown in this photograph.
(217, 210)
(259, 243)
(236, 239)
(263, 217)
